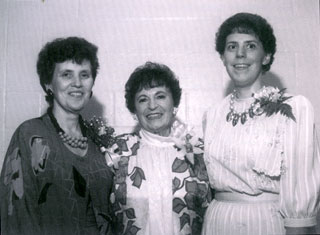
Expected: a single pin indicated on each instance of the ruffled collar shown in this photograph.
(157, 140)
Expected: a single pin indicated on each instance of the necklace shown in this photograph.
(233, 116)
(74, 142)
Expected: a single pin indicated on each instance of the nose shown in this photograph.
(152, 104)
(77, 81)
(241, 52)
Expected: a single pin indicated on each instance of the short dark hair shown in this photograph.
(151, 75)
(249, 24)
(63, 49)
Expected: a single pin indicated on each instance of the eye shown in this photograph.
(161, 97)
(142, 100)
(85, 75)
(231, 47)
(251, 46)
(66, 75)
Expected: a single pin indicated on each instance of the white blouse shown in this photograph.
(267, 154)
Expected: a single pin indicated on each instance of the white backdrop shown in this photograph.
(179, 33)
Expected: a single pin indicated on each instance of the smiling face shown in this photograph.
(71, 85)
(243, 58)
(154, 109)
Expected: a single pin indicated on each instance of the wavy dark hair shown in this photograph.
(249, 24)
(60, 50)
(151, 75)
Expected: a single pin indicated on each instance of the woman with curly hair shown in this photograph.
(54, 179)
(260, 145)
(161, 184)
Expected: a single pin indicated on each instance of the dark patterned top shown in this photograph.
(47, 189)
(158, 191)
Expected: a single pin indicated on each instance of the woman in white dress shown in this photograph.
(161, 184)
(261, 152)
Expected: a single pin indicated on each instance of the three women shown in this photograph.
(259, 151)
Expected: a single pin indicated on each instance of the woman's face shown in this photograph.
(243, 58)
(154, 109)
(71, 85)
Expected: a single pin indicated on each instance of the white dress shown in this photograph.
(265, 156)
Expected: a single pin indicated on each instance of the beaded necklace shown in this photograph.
(74, 142)
(233, 116)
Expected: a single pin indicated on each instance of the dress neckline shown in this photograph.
(157, 140)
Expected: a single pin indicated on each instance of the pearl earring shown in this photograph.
(175, 110)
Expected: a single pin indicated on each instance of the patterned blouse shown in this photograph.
(47, 189)
(267, 154)
(158, 191)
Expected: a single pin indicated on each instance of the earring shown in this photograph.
(175, 110)
(134, 116)
(49, 92)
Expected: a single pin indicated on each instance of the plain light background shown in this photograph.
(178, 33)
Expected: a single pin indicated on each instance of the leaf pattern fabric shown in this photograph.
(157, 189)
(47, 189)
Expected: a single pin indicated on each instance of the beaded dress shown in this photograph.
(267, 170)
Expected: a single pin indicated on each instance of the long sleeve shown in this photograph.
(300, 181)
(19, 200)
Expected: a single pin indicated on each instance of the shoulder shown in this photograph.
(34, 126)
(300, 104)
(215, 109)
(218, 105)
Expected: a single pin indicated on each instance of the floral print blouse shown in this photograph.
(157, 189)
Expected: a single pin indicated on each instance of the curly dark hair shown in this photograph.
(249, 24)
(63, 49)
(151, 75)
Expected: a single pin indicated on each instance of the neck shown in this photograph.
(164, 133)
(247, 91)
(69, 122)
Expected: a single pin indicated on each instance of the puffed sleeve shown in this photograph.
(300, 181)
(18, 188)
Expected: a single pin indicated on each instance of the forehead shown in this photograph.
(242, 37)
(72, 65)
(152, 91)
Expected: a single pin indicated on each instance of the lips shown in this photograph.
(76, 93)
(241, 66)
(152, 116)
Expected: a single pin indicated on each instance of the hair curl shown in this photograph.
(63, 49)
(249, 24)
(151, 75)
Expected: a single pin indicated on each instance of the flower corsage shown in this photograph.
(104, 137)
(182, 135)
(271, 101)
(267, 100)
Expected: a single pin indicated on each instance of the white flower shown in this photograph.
(102, 131)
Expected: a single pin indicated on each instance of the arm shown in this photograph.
(19, 192)
(299, 184)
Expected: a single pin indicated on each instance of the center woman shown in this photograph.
(161, 184)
